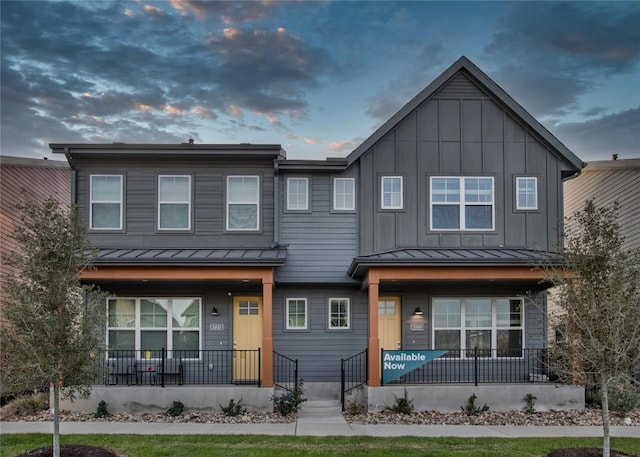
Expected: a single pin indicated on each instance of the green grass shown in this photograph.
(299, 446)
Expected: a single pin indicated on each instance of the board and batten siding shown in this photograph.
(607, 182)
(321, 243)
(208, 205)
(459, 131)
(319, 349)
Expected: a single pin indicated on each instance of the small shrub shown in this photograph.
(101, 410)
(177, 408)
(290, 401)
(233, 409)
(25, 405)
(403, 405)
(355, 409)
(530, 400)
(624, 398)
(472, 409)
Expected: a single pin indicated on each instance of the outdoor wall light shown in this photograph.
(214, 311)
(418, 311)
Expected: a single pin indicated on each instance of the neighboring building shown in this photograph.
(606, 182)
(423, 238)
(23, 179)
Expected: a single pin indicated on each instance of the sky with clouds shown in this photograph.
(317, 77)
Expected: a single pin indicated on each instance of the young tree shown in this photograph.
(54, 322)
(598, 295)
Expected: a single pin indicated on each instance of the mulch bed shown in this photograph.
(71, 450)
(585, 452)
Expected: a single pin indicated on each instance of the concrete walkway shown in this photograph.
(317, 418)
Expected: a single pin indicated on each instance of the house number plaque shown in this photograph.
(216, 327)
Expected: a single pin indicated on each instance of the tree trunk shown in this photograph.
(606, 438)
(56, 420)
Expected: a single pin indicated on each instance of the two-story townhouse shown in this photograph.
(426, 237)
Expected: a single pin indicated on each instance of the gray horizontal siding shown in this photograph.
(318, 349)
(208, 205)
(320, 243)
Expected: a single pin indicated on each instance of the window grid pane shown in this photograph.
(391, 192)
(148, 327)
(105, 202)
(297, 198)
(343, 194)
(527, 193)
(339, 313)
(493, 325)
(296, 313)
(242, 203)
(471, 210)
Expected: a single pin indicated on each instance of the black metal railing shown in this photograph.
(285, 371)
(353, 374)
(479, 366)
(162, 367)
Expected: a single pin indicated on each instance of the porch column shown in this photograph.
(373, 375)
(267, 332)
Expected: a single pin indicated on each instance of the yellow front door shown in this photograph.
(247, 337)
(389, 323)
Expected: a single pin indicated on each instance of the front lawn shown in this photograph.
(299, 446)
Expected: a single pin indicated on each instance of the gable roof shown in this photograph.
(488, 85)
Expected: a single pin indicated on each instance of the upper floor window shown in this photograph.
(344, 194)
(105, 195)
(339, 313)
(492, 325)
(526, 193)
(462, 203)
(296, 313)
(298, 194)
(174, 202)
(243, 198)
(391, 192)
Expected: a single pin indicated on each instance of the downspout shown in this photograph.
(276, 205)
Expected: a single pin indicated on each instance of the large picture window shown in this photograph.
(150, 324)
(296, 313)
(462, 203)
(492, 325)
(297, 194)
(105, 195)
(243, 199)
(174, 202)
(344, 194)
(339, 313)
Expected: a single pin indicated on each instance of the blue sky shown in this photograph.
(317, 77)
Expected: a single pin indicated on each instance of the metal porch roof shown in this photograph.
(209, 257)
(453, 257)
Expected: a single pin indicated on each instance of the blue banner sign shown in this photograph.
(398, 363)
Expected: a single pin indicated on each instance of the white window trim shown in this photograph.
(188, 203)
(257, 203)
(352, 205)
(169, 328)
(306, 314)
(493, 328)
(462, 203)
(306, 196)
(348, 302)
(401, 204)
(92, 201)
(519, 205)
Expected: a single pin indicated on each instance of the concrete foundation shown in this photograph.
(502, 397)
(139, 399)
